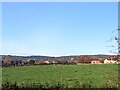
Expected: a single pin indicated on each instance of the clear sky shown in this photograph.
(58, 29)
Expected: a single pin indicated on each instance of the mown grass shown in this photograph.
(70, 76)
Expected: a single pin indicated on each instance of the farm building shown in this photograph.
(106, 61)
(112, 60)
(46, 62)
(95, 62)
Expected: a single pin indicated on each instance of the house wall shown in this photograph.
(109, 61)
(106, 61)
(95, 62)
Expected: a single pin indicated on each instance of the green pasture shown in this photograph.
(96, 76)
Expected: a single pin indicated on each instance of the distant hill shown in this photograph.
(61, 58)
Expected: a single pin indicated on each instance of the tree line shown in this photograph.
(8, 60)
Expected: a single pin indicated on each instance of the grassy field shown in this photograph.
(97, 76)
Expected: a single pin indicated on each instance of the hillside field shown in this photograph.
(96, 76)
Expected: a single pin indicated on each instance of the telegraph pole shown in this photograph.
(118, 43)
(119, 28)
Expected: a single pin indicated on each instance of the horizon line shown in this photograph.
(53, 55)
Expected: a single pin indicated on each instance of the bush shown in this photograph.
(58, 86)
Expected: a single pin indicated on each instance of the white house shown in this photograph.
(112, 61)
(109, 61)
(106, 61)
(47, 62)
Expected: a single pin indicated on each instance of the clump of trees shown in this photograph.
(101, 60)
(84, 59)
(8, 61)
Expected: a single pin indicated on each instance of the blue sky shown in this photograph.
(58, 29)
